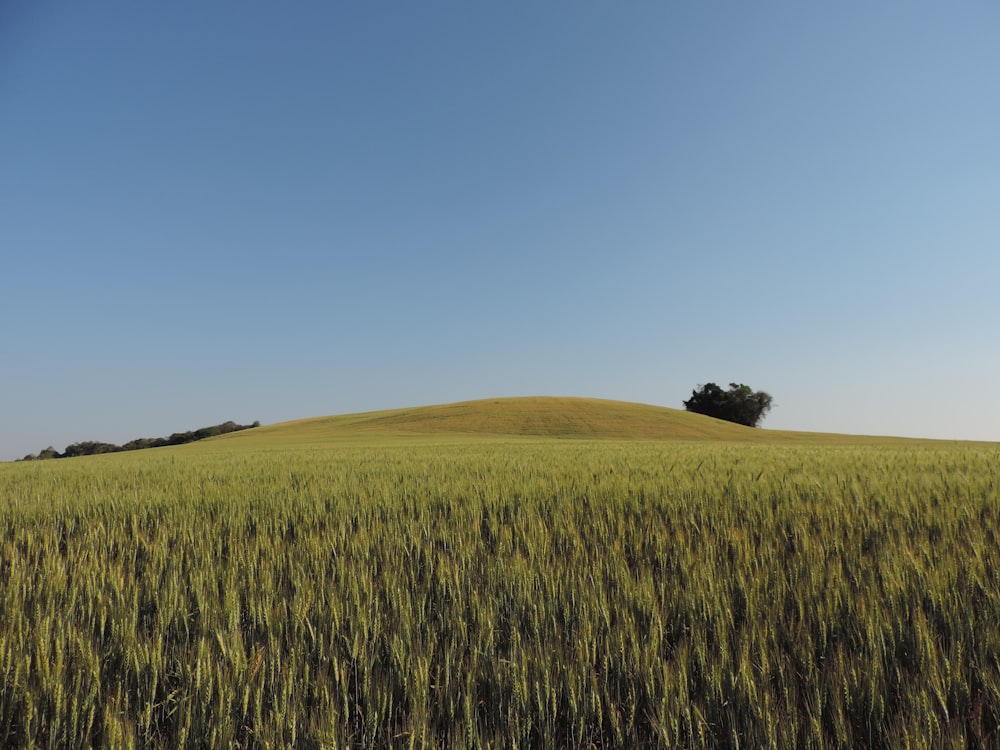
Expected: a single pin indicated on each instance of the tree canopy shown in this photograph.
(91, 448)
(739, 404)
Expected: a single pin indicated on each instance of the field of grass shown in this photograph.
(466, 576)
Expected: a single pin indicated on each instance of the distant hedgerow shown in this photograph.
(92, 448)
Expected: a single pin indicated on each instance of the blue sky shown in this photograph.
(249, 210)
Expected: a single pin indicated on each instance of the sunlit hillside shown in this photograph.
(538, 417)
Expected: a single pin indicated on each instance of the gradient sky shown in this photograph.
(265, 211)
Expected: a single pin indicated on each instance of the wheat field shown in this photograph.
(317, 588)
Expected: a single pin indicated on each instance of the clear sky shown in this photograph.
(265, 211)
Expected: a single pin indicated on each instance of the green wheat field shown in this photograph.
(532, 573)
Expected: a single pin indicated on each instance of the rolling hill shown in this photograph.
(530, 417)
(541, 416)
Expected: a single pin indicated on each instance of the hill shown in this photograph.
(531, 417)
(540, 416)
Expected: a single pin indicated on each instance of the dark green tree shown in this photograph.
(91, 447)
(740, 404)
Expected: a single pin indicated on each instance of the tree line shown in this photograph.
(91, 447)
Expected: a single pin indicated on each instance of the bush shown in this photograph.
(739, 404)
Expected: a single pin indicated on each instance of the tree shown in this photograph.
(91, 447)
(739, 404)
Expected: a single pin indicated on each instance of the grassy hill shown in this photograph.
(529, 417)
(542, 416)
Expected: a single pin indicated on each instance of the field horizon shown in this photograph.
(527, 418)
(560, 417)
